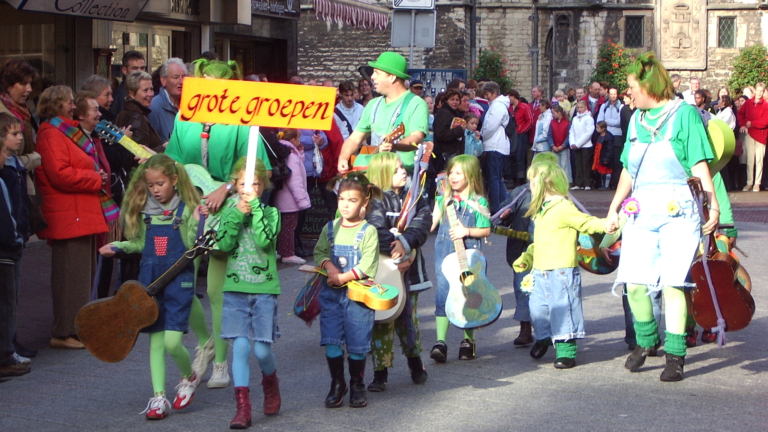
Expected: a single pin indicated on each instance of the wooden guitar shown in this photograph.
(472, 301)
(112, 134)
(374, 295)
(388, 273)
(726, 293)
(109, 327)
(366, 152)
(591, 259)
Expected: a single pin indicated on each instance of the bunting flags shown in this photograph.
(330, 11)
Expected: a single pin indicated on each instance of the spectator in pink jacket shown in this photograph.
(293, 197)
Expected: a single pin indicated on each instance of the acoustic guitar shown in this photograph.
(472, 301)
(374, 295)
(362, 159)
(109, 327)
(388, 273)
(591, 259)
(109, 132)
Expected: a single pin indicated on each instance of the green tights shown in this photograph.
(646, 328)
(442, 323)
(160, 343)
(217, 269)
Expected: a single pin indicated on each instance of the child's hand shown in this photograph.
(459, 232)
(108, 251)
(203, 209)
(244, 207)
(397, 249)
(477, 135)
(333, 274)
(522, 263)
(404, 266)
(506, 214)
(248, 196)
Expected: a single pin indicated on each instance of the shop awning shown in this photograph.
(352, 13)
(123, 10)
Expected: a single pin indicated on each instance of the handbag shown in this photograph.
(280, 170)
(307, 304)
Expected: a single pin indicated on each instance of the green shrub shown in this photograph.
(493, 65)
(612, 61)
(748, 68)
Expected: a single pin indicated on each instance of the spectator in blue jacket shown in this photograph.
(165, 105)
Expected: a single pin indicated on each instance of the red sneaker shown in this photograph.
(157, 408)
(708, 337)
(186, 391)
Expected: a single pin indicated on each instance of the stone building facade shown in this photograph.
(553, 43)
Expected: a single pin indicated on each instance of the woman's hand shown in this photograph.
(142, 160)
(711, 225)
(127, 131)
(607, 255)
(108, 251)
(104, 177)
(215, 199)
(574, 147)
(397, 249)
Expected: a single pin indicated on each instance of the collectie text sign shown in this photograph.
(257, 104)
(115, 10)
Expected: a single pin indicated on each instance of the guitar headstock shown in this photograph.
(694, 183)
(109, 131)
(428, 146)
(396, 133)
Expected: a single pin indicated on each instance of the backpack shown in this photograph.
(511, 131)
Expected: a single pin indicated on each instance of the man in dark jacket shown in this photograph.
(132, 61)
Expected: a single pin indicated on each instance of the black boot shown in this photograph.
(417, 369)
(637, 359)
(335, 397)
(673, 371)
(526, 334)
(379, 383)
(357, 396)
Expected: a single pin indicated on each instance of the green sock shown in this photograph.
(566, 349)
(647, 333)
(469, 334)
(441, 325)
(676, 310)
(217, 269)
(675, 344)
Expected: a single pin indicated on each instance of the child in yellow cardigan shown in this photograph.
(555, 301)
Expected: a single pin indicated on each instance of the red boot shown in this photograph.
(271, 393)
(243, 416)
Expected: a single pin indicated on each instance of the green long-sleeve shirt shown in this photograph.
(557, 228)
(187, 229)
(369, 262)
(251, 241)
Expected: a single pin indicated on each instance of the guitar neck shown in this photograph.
(134, 147)
(160, 283)
(453, 220)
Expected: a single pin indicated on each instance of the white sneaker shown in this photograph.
(157, 408)
(21, 359)
(747, 188)
(203, 358)
(575, 188)
(220, 376)
(756, 189)
(587, 188)
(278, 256)
(294, 260)
(186, 391)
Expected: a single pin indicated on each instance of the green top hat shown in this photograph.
(391, 63)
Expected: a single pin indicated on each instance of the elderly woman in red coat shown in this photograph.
(75, 206)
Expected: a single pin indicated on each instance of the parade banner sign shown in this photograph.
(257, 104)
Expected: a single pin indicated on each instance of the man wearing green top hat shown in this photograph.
(382, 114)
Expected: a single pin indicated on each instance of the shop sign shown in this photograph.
(281, 8)
(257, 104)
(114, 10)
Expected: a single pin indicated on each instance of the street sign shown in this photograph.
(413, 4)
(424, 29)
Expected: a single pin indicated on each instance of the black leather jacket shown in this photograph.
(383, 215)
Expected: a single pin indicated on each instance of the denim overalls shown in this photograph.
(658, 244)
(344, 321)
(444, 247)
(163, 246)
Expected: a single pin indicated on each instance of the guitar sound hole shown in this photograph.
(467, 278)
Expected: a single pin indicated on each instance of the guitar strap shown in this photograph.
(204, 137)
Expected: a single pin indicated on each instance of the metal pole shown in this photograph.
(473, 38)
(534, 50)
(413, 36)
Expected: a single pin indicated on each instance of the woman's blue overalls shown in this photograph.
(163, 246)
(444, 247)
(344, 321)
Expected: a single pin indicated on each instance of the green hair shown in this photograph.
(261, 172)
(136, 195)
(470, 166)
(545, 157)
(382, 167)
(545, 178)
(217, 69)
(652, 77)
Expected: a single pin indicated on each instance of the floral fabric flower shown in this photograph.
(527, 284)
(631, 206)
(673, 208)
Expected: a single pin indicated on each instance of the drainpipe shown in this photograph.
(473, 37)
(534, 47)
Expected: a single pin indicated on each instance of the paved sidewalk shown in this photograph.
(502, 390)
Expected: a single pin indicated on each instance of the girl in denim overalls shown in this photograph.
(555, 301)
(667, 143)
(159, 218)
(248, 233)
(465, 184)
(348, 249)
(387, 171)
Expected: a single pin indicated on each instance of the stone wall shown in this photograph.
(335, 51)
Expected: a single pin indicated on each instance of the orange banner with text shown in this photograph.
(257, 104)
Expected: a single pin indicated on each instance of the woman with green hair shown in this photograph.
(666, 144)
(216, 147)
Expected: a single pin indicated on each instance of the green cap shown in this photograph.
(391, 63)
